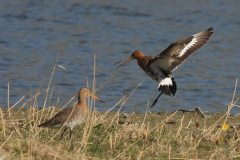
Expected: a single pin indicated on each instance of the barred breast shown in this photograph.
(152, 75)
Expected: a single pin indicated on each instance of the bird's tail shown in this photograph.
(168, 86)
(46, 124)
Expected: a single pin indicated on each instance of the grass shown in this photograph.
(118, 135)
(138, 136)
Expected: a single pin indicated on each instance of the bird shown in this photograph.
(73, 115)
(161, 66)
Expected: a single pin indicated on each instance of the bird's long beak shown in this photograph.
(91, 95)
(129, 59)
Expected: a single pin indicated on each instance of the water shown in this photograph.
(35, 33)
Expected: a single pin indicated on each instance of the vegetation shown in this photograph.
(120, 135)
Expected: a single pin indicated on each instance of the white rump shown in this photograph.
(165, 82)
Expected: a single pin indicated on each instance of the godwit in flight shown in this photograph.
(160, 67)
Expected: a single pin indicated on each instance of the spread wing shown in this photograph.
(180, 50)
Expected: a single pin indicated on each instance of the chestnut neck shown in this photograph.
(140, 59)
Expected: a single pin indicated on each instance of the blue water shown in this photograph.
(35, 33)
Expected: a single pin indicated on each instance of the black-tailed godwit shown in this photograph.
(160, 67)
(73, 115)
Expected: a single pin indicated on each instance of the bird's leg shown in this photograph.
(156, 100)
(63, 133)
(70, 134)
(71, 138)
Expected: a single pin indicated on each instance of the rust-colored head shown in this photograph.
(135, 55)
(84, 93)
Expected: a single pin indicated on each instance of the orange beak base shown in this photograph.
(91, 95)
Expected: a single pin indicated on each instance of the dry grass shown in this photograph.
(117, 135)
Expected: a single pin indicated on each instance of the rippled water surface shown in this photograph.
(35, 33)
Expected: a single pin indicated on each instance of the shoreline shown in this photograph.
(114, 135)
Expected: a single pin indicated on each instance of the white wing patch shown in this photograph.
(165, 82)
(189, 45)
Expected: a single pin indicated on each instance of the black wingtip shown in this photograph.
(210, 30)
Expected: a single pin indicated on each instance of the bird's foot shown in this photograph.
(71, 145)
(63, 133)
(153, 103)
(155, 100)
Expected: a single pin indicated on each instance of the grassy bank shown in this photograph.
(120, 136)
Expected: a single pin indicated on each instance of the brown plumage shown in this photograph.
(160, 67)
(73, 115)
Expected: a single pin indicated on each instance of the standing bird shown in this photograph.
(160, 67)
(73, 115)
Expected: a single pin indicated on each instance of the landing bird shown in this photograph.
(160, 67)
(71, 116)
